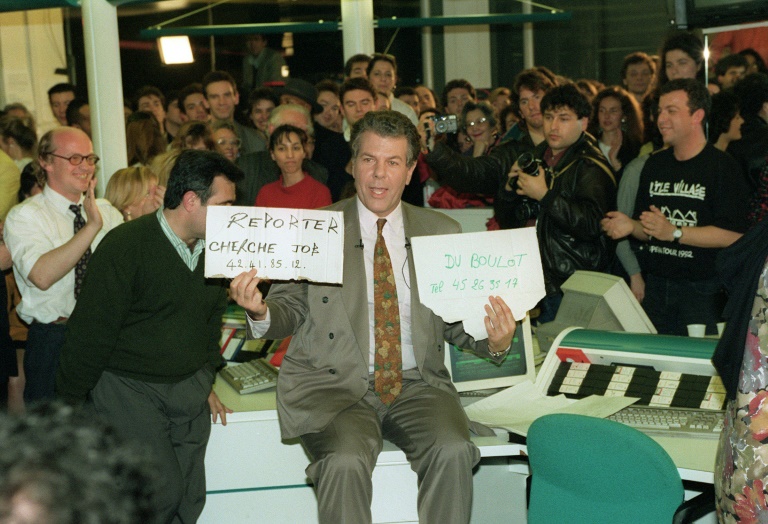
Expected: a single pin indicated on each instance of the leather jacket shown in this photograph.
(484, 174)
(582, 190)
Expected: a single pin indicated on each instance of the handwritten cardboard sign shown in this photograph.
(457, 273)
(282, 244)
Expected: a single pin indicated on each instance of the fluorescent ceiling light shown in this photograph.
(175, 50)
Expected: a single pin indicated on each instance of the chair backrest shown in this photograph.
(586, 469)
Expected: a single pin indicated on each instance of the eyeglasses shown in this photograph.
(477, 122)
(229, 142)
(76, 159)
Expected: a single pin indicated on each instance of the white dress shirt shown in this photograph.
(33, 228)
(394, 236)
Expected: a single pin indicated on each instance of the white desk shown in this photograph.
(253, 476)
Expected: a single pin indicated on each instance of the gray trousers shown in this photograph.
(428, 424)
(173, 421)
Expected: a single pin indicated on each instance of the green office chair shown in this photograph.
(589, 470)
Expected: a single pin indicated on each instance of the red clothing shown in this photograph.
(307, 194)
(755, 38)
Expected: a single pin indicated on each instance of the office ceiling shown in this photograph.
(143, 7)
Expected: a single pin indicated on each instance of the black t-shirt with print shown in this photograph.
(707, 190)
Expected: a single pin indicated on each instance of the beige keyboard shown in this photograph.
(672, 422)
(251, 376)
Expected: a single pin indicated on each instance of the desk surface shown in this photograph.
(260, 401)
(262, 406)
(695, 458)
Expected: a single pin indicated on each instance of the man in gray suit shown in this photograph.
(328, 393)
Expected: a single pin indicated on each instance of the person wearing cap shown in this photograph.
(221, 93)
(300, 92)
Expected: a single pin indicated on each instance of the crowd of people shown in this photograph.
(650, 177)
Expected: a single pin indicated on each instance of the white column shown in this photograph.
(468, 47)
(31, 50)
(105, 87)
(357, 27)
(427, 64)
(527, 38)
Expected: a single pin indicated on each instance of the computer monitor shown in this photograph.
(595, 301)
(694, 14)
(471, 373)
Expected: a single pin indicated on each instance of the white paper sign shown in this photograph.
(282, 244)
(457, 273)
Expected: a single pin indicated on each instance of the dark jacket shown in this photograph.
(484, 174)
(751, 150)
(582, 190)
(333, 153)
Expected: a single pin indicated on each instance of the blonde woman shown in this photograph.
(134, 192)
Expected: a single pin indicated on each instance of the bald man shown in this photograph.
(50, 237)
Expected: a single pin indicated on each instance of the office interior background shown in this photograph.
(589, 45)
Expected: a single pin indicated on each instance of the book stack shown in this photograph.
(235, 345)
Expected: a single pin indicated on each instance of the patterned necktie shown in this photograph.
(388, 361)
(83, 262)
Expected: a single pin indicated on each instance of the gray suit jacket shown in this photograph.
(270, 70)
(326, 368)
(250, 140)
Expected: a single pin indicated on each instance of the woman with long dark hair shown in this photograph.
(617, 124)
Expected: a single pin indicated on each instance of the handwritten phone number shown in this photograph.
(473, 284)
(239, 263)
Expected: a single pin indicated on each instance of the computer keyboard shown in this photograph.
(672, 422)
(251, 376)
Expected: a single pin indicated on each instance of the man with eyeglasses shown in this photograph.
(51, 237)
(221, 93)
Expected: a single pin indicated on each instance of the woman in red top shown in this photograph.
(295, 188)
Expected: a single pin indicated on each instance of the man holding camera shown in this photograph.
(487, 173)
(572, 183)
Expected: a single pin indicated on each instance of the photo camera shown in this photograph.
(445, 124)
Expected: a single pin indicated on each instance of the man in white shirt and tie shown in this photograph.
(50, 237)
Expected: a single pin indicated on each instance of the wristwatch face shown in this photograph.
(677, 234)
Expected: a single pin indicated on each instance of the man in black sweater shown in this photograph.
(690, 204)
(142, 346)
